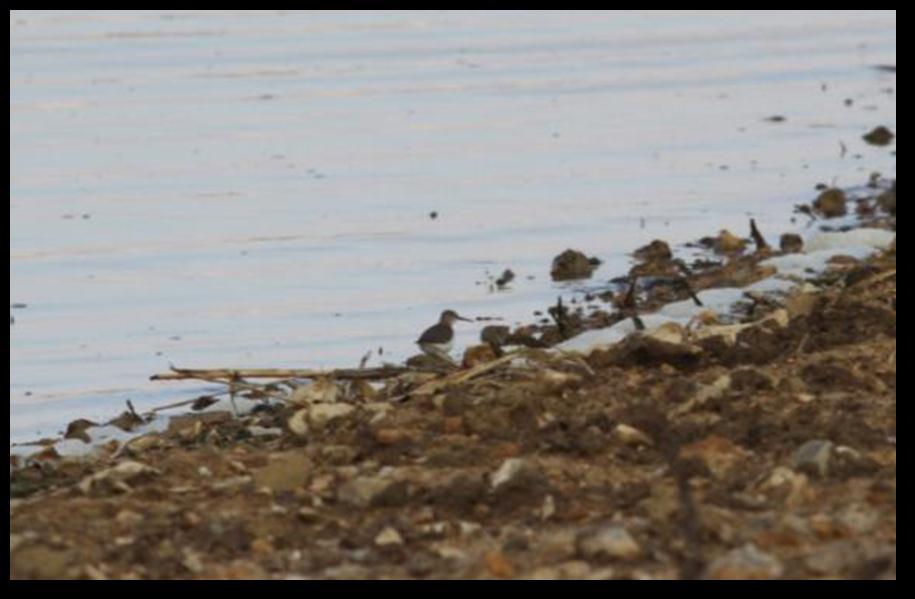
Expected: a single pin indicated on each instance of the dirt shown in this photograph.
(643, 461)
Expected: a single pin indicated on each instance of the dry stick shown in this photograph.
(459, 377)
(280, 373)
(239, 383)
(758, 239)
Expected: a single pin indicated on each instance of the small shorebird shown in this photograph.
(436, 340)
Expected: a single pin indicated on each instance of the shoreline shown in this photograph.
(756, 445)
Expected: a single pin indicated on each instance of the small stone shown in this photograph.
(831, 203)
(728, 243)
(498, 565)
(720, 455)
(878, 136)
(571, 264)
(478, 354)
(453, 425)
(261, 546)
(320, 415)
(366, 491)
(264, 432)
(516, 473)
(656, 250)
(791, 243)
(745, 562)
(392, 436)
(388, 537)
(548, 508)
(320, 390)
(286, 472)
(629, 435)
(298, 423)
(612, 541)
(556, 379)
(77, 430)
(813, 457)
(145, 443)
(495, 335)
(117, 477)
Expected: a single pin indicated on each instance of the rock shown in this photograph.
(548, 508)
(745, 562)
(190, 426)
(498, 565)
(517, 474)
(392, 436)
(505, 278)
(556, 379)
(571, 264)
(388, 537)
(298, 423)
(878, 136)
(788, 483)
(656, 250)
(320, 415)
(659, 346)
(264, 432)
(831, 203)
(77, 430)
(559, 543)
(791, 243)
(372, 491)
(629, 435)
(285, 472)
(145, 443)
(496, 335)
(320, 390)
(728, 243)
(612, 542)
(453, 425)
(478, 354)
(720, 455)
(813, 457)
(859, 518)
(887, 202)
(117, 477)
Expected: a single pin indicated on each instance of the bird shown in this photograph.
(436, 340)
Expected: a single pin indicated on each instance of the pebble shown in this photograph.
(746, 562)
(831, 203)
(629, 435)
(611, 541)
(321, 414)
(366, 491)
(388, 537)
(813, 457)
(298, 423)
(791, 243)
(498, 565)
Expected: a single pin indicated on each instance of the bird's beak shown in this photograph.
(464, 319)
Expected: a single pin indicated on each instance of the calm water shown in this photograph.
(254, 189)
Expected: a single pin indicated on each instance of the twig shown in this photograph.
(280, 373)
(758, 239)
(459, 377)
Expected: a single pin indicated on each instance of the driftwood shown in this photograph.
(208, 374)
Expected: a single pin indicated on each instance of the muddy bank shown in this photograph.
(762, 451)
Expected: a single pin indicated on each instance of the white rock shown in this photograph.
(323, 413)
(298, 423)
(388, 536)
(610, 541)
